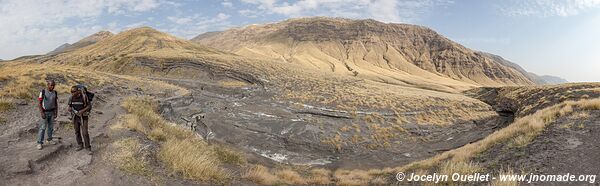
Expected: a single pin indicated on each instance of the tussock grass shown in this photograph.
(450, 167)
(6, 105)
(522, 140)
(461, 167)
(591, 104)
(128, 157)
(580, 115)
(229, 156)
(192, 158)
(290, 177)
(261, 175)
(132, 122)
(319, 176)
(180, 149)
(355, 177)
(507, 171)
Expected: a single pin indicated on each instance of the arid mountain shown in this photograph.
(148, 52)
(59, 49)
(81, 43)
(399, 54)
(539, 80)
(552, 80)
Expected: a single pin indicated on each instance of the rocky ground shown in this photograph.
(272, 132)
(283, 132)
(22, 164)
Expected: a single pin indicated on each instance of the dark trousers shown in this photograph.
(81, 130)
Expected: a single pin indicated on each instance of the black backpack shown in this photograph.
(89, 95)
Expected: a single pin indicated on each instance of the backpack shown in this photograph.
(88, 97)
(86, 93)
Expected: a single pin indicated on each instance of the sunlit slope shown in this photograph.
(94, 38)
(390, 53)
(147, 52)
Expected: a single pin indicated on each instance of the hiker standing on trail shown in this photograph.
(48, 106)
(79, 106)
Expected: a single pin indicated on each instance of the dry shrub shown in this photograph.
(260, 174)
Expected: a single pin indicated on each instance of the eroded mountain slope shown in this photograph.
(147, 52)
(400, 54)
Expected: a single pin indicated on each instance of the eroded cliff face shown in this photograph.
(390, 53)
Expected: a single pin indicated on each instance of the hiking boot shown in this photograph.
(79, 148)
(39, 146)
(52, 142)
(89, 151)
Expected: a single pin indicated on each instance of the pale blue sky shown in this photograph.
(555, 37)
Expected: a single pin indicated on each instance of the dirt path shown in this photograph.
(59, 164)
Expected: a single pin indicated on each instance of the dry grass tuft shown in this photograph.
(180, 149)
(132, 122)
(193, 159)
(290, 177)
(591, 104)
(522, 140)
(261, 175)
(128, 157)
(229, 156)
(319, 176)
(354, 177)
(6, 105)
(580, 115)
(461, 167)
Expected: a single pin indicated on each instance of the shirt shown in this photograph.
(48, 99)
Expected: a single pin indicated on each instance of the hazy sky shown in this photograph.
(556, 37)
